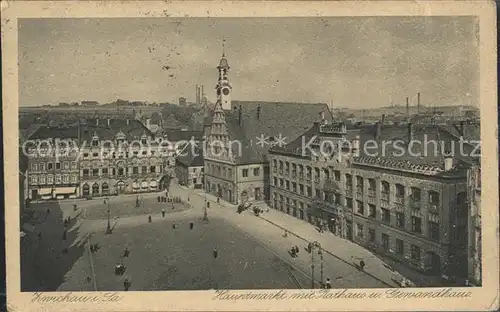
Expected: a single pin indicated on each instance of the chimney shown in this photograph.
(418, 102)
(410, 132)
(239, 116)
(202, 92)
(258, 112)
(448, 162)
(378, 130)
(407, 107)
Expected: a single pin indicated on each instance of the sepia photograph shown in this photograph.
(322, 157)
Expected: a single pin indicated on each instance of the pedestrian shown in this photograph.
(65, 222)
(126, 252)
(159, 199)
(188, 198)
(126, 284)
(218, 199)
(88, 279)
(309, 247)
(328, 284)
(174, 225)
(216, 253)
(48, 211)
(191, 225)
(149, 218)
(297, 249)
(92, 250)
(285, 234)
(163, 212)
(362, 264)
(208, 204)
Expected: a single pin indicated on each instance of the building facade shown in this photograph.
(238, 135)
(475, 241)
(413, 212)
(189, 168)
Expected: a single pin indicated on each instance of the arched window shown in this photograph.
(95, 189)
(105, 188)
(85, 190)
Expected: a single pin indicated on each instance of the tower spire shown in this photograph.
(223, 46)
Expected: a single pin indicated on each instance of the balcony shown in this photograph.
(433, 207)
(415, 204)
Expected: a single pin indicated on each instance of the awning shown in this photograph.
(44, 191)
(65, 190)
(145, 184)
(153, 184)
(135, 185)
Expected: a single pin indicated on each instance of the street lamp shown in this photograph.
(317, 245)
(108, 229)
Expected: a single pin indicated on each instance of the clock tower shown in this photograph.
(223, 87)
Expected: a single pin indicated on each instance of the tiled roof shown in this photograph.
(176, 135)
(48, 132)
(425, 159)
(269, 119)
(192, 157)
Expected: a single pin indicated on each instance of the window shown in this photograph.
(50, 179)
(275, 181)
(294, 187)
(144, 153)
(66, 165)
(336, 174)
(348, 202)
(34, 179)
(400, 220)
(85, 172)
(385, 241)
(42, 166)
(400, 193)
(282, 183)
(287, 184)
(34, 167)
(85, 155)
(400, 247)
(256, 171)
(65, 178)
(275, 167)
(360, 207)
(433, 198)
(245, 172)
(359, 184)
(73, 165)
(95, 142)
(360, 230)
(386, 215)
(58, 166)
(50, 166)
(372, 211)
(416, 194)
(348, 181)
(58, 178)
(433, 230)
(152, 169)
(371, 234)
(309, 191)
(104, 171)
(416, 225)
(415, 253)
(42, 179)
(229, 172)
(301, 189)
(95, 172)
(385, 190)
(121, 172)
(144, 169)
(95, 155)
(144, 141)
(318, 193)
(74, 178)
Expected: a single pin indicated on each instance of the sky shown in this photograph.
(355, 62)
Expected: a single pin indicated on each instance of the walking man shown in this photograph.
(191, 225)
(126, 252)
(126, 284)
(163, 212)
(216, 253)
(174, 225)
(328, 284)
(149, 218)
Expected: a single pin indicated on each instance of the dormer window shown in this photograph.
(95, 140)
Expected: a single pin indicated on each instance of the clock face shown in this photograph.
(225, 91)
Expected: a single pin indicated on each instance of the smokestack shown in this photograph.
(197, 95)
(202, 92)
(418, 102)
(239, 116)
(407, 107)
(258, 112)
(410, 132)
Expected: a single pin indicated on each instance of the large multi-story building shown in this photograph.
(190, 166)
(53, 163)
(475, 260)
(96, 157)
(238, 135)
(118, 156)
(396, 199)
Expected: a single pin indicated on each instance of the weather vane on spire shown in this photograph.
(223, 43)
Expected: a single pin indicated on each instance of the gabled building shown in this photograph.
(189, 167)
(409, 206)
(239, 134)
